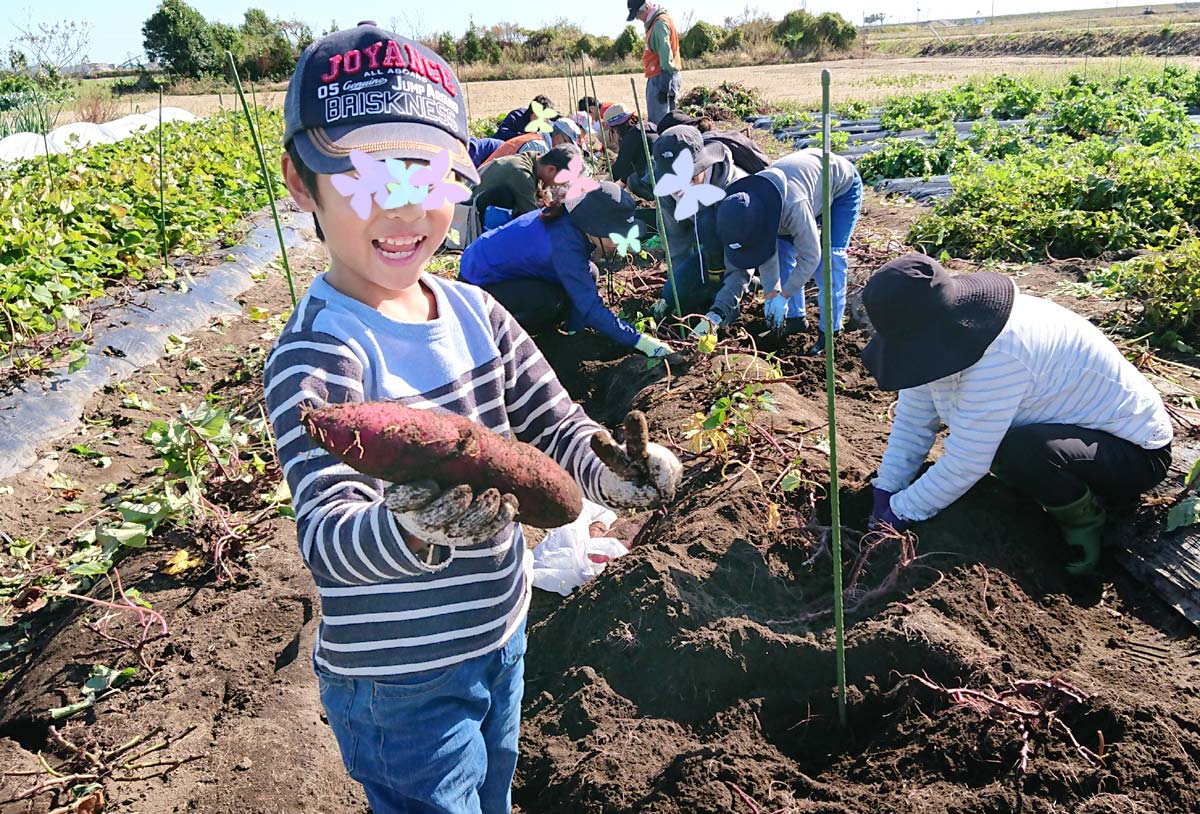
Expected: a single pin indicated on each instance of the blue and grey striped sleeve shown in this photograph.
(347, 535)
(990, 394)
(540, 411)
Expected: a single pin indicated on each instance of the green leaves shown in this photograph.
(98, 226)
(103, 682)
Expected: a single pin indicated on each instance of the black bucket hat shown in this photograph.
(930, 323)
(604, 211)
(671, 143)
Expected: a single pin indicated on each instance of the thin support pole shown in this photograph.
(662, 228)
(262, 163)
(603, 131)
(583, 83)
(839, 621)
(162, 183)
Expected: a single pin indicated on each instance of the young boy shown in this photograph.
(423, 590)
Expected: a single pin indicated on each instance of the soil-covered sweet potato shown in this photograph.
(389, 441)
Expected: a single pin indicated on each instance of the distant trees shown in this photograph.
(179, 38)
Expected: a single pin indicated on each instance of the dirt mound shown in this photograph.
(697, 674)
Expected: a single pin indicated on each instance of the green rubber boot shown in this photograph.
(1081, 523)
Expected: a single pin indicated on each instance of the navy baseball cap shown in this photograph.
(368, 89)
(748, 221)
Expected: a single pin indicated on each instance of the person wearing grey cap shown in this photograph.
(539, 266)
(697, 254)
(661, 61)
(424, 586)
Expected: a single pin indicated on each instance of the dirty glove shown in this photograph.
(775, 309)
(450, 519)
(638, 474)
(652, 346)
(708, 325)
(661, 309)
(882, 514)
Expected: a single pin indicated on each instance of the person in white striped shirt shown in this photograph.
(1029, 391)
(424, 592)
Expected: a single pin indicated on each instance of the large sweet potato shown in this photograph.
(398, 444)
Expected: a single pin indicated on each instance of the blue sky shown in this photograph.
(116, 26)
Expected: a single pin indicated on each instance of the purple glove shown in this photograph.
(882, 514)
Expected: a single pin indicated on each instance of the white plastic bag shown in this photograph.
(563, 560)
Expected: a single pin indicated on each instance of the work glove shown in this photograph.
(652, 346)
(708, 325)
(637, 474)
(775, 310)
(444, 521)
(660, 309)
(882, 514)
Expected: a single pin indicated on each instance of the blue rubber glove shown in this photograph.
(776, 311)
(882, 514)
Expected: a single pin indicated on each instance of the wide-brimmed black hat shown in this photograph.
(604, 211)
(930, 323)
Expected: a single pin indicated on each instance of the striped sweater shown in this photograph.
(1047, 366)
(383, 612)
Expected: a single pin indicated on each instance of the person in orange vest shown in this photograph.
(661, 59)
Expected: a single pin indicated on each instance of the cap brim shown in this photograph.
(327, 151)
(617, 122)
(710, 154)
(758, 249)
(633, 15)
(944, 347)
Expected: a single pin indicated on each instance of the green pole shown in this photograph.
(162, 183)
(662, 229)
(835, 508)
(262, 163)
(603, 139)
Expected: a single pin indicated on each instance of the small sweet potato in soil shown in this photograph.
(394, 443)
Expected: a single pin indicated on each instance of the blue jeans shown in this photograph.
(843, 217)
(438, 742)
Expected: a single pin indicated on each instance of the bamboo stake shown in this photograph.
(262, 163)
(662, 229)
(162, 183)
(835, 509)
(603, 132)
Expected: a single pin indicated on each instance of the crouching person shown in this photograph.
(538, 266)
(420, 649)
(1029, 390)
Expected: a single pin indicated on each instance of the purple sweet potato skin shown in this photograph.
(397, 444)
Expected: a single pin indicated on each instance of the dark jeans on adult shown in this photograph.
(661, 93)
(1055, 464)
(537, 305)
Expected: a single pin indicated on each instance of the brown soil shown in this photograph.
(696, 674)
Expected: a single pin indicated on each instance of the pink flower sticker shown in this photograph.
(577, 183)
(441, 190)
(372, 182)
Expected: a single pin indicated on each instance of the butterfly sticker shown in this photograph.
(541, 120)
(678, 183)
(629, 244)
(441, 191)
(402, 191)
(577, 183)
(371, 183)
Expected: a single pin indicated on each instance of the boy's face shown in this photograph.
(546, 174)
(378, 258)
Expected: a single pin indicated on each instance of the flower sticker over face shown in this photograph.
(402, 191)
(540, 122)
(627, 244)
(678, 184)
(441, 191)
(577, 183)
(372, 182)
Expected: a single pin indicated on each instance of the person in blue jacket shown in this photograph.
(518, 119)
(538, 266)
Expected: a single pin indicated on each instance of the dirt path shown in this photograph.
(868, 80)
